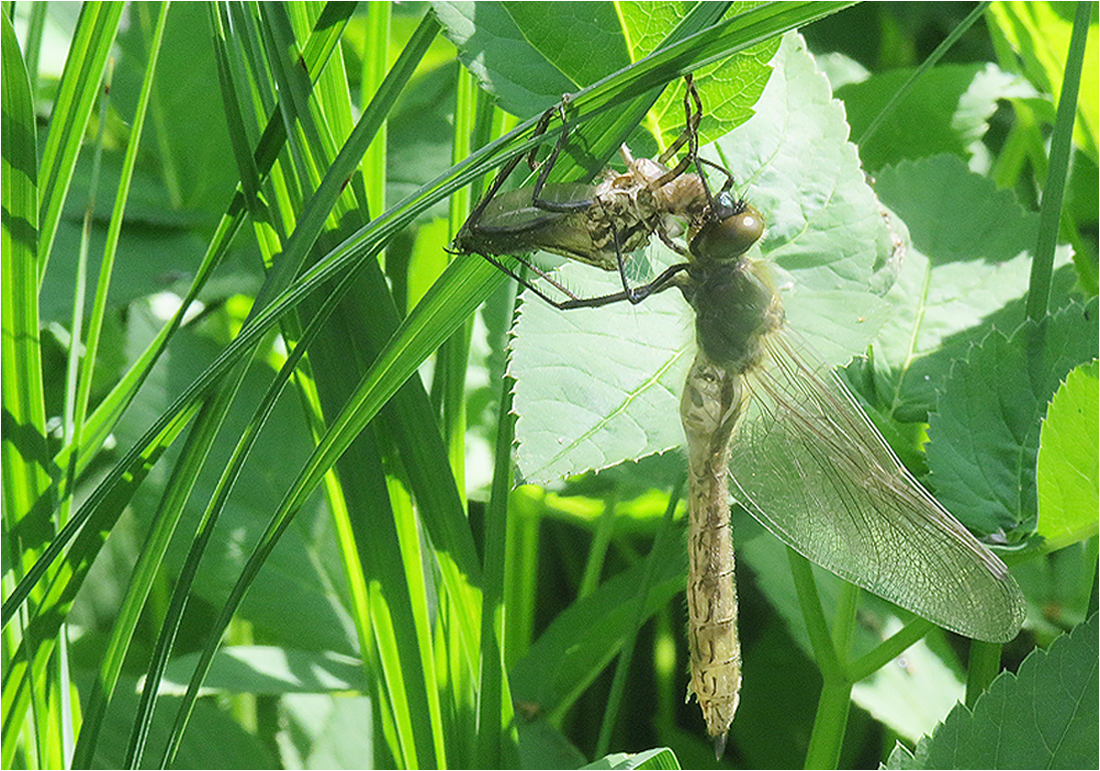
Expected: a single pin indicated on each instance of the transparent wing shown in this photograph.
(810, 466)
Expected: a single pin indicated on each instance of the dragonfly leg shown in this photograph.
(692, 117)
(693, 114)
(689, 136)
(547, 166)
(667, 240)
(693, 110)
(507, 169)
(728, 185)
(529, 285)
(634, 296)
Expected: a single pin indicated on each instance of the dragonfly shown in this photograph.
(760, 411)
(765, 419)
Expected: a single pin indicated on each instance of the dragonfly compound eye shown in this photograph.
(729, 237)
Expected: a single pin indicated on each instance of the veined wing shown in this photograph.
(810, 466)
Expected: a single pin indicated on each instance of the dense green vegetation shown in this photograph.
(285, 486)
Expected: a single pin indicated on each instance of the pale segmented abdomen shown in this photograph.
(709, 409)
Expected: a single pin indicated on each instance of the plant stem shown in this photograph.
(889, 649)
(985, 662)
(1055, 186)
(814, 616)
(830, 724)
(845, 623)
(831, 720)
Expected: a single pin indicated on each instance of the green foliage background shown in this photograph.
(249, 398)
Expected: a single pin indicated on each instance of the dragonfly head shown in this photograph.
(730, 227)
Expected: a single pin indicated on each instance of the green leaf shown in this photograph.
(492, 45)
(512, 44)
(1067, 466)
(269, 670)
(947, 111)
(1044, 716)
(597, 386)
(217, 741)
(25, 456)
(324, 732)
(581, 640)
(911, 694)
(529, 54)
(541, 745)
(192, 143)
(79, 87)
(967, 270)
(659, 758)
(151, 259)
(984, 438)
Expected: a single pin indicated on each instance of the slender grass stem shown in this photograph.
(830, 724)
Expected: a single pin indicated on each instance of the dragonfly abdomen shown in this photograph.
(709, 409)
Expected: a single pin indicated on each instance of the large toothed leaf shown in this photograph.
(984, 438)
(955, 281)
(1042, 717)
(599, 386)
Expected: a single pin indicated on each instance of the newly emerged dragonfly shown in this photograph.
(809, 465)
(804, 458)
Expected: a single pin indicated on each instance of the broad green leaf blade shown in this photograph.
(598, 386)
(529, 54)
(1044, 716)
(581, 640)
(984, 437)
(729, 88)
(1067, 464)
(913, 693)
(193, 142)
(541, 744)
(225, 742)
(526, 22)
(524, 54)
(330, 732)
(824, 230)
(708, 41)
(955, 282)
(491, 43)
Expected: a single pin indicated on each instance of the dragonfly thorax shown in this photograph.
(735, 310)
